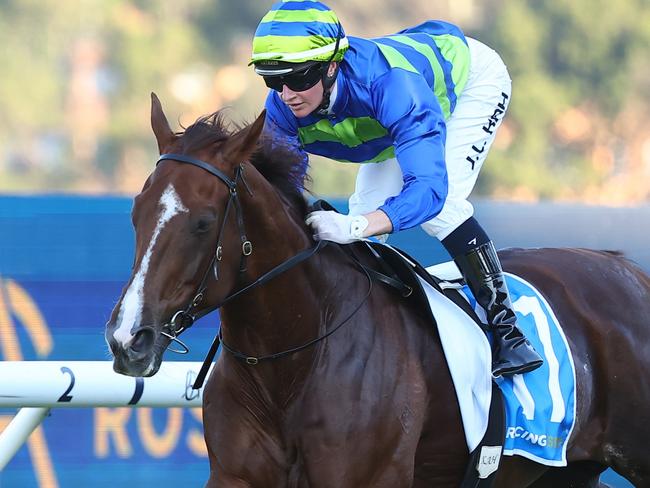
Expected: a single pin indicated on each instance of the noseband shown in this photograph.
(183, 319)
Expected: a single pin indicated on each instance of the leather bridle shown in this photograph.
(185, 318)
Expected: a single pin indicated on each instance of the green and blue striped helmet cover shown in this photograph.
(296, 31)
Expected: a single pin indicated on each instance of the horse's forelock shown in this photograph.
(205, 132)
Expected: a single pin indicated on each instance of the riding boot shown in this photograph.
(511, 351)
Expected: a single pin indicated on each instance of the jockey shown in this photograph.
(419, 109)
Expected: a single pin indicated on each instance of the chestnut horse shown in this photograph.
(327, 380)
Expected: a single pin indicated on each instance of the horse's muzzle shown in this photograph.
(139, 357)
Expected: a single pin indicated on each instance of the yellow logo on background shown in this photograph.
(16, 302)
(18, 309)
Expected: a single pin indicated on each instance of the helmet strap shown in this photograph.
(328, 81)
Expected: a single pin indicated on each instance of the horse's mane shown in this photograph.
(278, 162)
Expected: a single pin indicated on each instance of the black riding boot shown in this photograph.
(511, 351)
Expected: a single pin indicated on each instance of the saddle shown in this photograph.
(396, 269)
(406, 270)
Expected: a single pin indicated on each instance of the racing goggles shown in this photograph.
(297, 81)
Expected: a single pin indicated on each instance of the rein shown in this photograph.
(252, 360)
(184, 319)
(266, 277)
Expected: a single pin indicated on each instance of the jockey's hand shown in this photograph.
(333, 226)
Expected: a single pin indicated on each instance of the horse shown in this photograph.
(328, 379)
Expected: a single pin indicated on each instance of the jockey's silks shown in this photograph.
(393, 96)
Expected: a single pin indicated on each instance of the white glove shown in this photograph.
(333, 226)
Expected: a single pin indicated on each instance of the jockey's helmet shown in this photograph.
(295, 43)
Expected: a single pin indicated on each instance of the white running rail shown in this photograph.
(37, 386)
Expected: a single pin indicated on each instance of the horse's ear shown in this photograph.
(241, 145)
(159, 124)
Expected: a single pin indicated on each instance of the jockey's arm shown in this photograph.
(407, 107)
(378, 224)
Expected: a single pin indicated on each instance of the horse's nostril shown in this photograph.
(112, 344)
(143, 340)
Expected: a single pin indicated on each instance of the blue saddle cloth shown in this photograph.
(540, 405)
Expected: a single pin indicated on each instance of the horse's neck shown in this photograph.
(294, 307)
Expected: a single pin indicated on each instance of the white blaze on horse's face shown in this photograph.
(130, 314)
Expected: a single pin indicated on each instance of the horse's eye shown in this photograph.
(203, 224)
